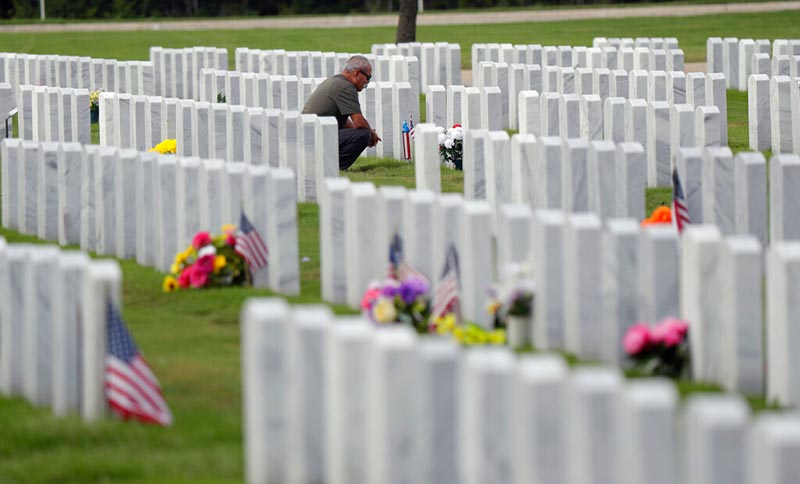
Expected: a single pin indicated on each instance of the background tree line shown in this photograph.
(222, 8)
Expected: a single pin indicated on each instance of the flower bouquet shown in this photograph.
(404, 302)
(208, 262)
(511, 306)
(661, 215)
(94, 105)
(469, 334)
(166, 147)
(451, 144)
(662, 350)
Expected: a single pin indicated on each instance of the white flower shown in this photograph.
(207, 250)
(442, 137)
(448, 143)
(458, 135)
(440, 129)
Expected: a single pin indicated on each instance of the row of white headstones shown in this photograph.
(53, 327)
(582, 262)
(145, 205)
(338, 400)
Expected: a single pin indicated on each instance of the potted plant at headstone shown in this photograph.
(661, 350)
(451, 144)
(94, 105)
(513, 311)
(468, 334)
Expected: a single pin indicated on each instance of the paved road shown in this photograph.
(435, 18)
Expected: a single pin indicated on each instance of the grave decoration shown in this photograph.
(451, 144)
(393, 301)
(661, 350)
(166, 147)
(512, 309)
(210, 261)
(661, 215)
(469, 334)
(94, 105)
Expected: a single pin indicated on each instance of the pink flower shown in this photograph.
(201, 239)
(205, 264)
(183, 279)
(198, 278)
(231, 240)
(637, 339)
(370, 296)
(670, 332)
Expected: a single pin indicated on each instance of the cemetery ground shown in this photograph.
(191, 338)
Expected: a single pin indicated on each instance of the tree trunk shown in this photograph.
(407, 21)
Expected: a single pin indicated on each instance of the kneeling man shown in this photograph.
(338, 97)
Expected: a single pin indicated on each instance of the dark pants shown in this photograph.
(352, 141)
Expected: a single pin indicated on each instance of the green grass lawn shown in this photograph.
(690, 31)
(192, 338)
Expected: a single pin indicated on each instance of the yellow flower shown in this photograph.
(228, 229)
(445, 324)
(497, 337)
(493, 306)
(170, 284)
(219, 263)
(175, 268)
(166, 147)
(458, 334)
(384, 311)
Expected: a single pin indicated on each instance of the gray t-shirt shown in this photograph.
(336, 96)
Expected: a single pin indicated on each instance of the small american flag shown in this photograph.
(681, 214)
(250, 245)
(398, 268)
(411, 126)
(445, 299)
(132, 389)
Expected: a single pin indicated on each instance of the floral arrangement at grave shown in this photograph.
(210, 261)
(451, 147)
(221, 98)
(94, 105)
(511, 305)
(661, 215)
(661, 350)
(166, 147)
(393, 301)
(469, 334)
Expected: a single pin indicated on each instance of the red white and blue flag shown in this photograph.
(445, 299)
(250, 245)
(132, 390)
(406, 142)
(411, 125)
(679, 210)
(399, 269)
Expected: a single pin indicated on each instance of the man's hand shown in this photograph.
(374, 139)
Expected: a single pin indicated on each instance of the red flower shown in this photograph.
(201, 239)
(205, 264)
(198, 278)
(456, 125)
(231, 240)
(184, 278)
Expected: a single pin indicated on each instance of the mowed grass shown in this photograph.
(192, 338)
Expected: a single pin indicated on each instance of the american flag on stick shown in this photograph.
(445, 299)
(250, 245)
(411, 125)
(399, 269)
(681, 213)
(132, 390)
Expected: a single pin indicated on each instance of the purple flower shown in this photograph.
(411, 288)
(390, 290)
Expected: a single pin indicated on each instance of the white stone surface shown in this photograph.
(659, 260)
(715, 431)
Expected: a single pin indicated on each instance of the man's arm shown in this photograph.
(359, 121)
